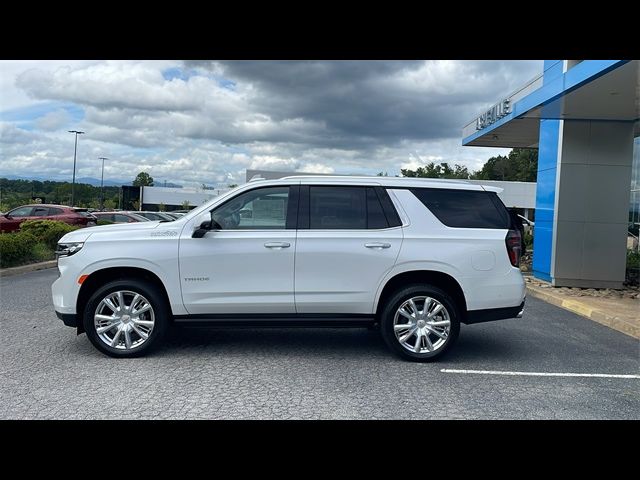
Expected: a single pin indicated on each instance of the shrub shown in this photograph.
(633, 259)
(41, 253)
(528, 241)
(16, 248)
(47, 231)
(104, 222)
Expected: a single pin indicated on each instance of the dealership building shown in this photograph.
(583, 116)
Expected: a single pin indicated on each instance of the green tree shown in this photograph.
(441, 170)
(143, 179)
(185, 205)
(521, 165)
(161, 207)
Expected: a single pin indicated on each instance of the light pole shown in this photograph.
(102, 183)
(75, 149)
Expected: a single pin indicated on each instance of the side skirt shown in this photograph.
(275, 320)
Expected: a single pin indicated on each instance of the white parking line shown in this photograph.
(539, 374)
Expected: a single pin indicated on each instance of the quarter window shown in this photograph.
(465, 208)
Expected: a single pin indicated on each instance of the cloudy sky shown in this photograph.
(207, 121)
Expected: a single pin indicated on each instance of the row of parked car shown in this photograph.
(82, 217)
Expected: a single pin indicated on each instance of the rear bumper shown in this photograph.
(491, 314)
(69, 319)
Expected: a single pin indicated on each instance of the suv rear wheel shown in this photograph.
(420, 322)
(126, 318)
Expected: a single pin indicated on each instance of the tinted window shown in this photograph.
(121, 218)
(55, 211)
(21, 212)
(375, 214)
(337, 208)
(262, 208)
(40, 212)
(464, 208)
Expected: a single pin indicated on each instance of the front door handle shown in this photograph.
(377, 245)
(277, 245)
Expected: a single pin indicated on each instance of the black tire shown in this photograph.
(158, 303)
(393, 304)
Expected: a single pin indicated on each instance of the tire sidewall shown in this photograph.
(402, 295)
(151, 293)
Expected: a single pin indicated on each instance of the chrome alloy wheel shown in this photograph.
(422, 325)
(124, 320)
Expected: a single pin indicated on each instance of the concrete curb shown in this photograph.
(585, 310)
(32, 267)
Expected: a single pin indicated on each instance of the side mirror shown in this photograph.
(202, 229)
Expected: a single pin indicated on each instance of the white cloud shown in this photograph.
(321, 117)
(53, 120)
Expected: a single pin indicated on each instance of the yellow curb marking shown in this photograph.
(577, 307)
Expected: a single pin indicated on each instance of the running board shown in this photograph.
(276, 320)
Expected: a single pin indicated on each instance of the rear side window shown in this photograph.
(337, 208)
(40, 212)
(55, 211)
(465, 208)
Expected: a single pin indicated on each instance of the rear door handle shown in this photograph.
(377, 245)
(277, 245)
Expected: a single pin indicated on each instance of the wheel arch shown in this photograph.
(102, 276)
(435, 278)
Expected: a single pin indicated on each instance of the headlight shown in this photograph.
(68, 249)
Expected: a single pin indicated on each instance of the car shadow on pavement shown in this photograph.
(347, 342)
(478, 346)
(352, 342)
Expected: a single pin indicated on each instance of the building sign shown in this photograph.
(494, 114)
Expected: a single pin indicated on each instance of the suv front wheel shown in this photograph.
(420, 322)
(126, 318)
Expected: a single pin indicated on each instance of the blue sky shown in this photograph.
(206, 122)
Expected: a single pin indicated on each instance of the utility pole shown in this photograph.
(75, 149)
(102, 183)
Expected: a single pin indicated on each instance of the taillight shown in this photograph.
(514, 247)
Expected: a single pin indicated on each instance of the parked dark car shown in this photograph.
(155, 216)
(10, 221)
(120, 217)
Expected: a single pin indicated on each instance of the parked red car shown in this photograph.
(11, 220)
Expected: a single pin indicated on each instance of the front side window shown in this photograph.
(21, 212)
(259, 209)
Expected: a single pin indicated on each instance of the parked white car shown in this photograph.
(416, 257)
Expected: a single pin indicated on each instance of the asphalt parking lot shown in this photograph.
(48, 372)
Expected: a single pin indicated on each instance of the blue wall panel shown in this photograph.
(545, 198)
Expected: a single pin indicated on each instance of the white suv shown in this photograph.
(415, 257)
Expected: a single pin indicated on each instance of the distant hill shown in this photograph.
(58, 178)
